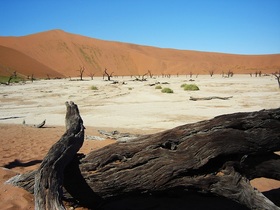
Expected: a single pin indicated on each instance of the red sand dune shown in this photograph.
(13, 60)
(66, 53)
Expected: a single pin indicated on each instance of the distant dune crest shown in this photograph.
(60, 54)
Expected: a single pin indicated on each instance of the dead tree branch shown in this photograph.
(209, 98)
(40, 125)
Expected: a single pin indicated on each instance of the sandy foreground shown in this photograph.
(129, 106)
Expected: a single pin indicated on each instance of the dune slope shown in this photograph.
(66, 53)
(12, 60)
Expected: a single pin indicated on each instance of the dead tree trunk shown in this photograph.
(277, 76)
(81, 71)
(108, 75)
(48, 179)
(217, 156)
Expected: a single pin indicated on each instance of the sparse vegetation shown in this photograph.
(192, 87)
(93, 87)
(167, 90)
(158, 87)
(8, 79)
(13, 78)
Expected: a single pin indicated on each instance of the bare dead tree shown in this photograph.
(277, 76)
(256, 73)
(32, 78)
(150, 74)
(81, 72)
(91, 75)
(143, 77)
(230, 73)
(108, 75)
(211, 72)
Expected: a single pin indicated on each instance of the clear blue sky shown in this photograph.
(230, 26)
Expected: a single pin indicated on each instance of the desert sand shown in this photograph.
(128, 106)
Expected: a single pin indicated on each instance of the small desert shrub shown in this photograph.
(93, 87)
(167, 90)
(158, 87)
(190, 87)
(5, 79)
(130, 88)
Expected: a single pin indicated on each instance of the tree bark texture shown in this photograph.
(217, 156)
(48, 179)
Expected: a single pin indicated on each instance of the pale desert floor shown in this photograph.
(134, 107)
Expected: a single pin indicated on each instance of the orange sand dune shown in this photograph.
(12, 60)
(66, 53)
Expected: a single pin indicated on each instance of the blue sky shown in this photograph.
(229, 26)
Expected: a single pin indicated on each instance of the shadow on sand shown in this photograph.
(18, 163)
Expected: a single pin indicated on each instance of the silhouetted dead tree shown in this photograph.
(91, 75)
(277, 76)
(217, 156)
(150, 74)
(258, 73)
(81, 72)
(211, 72)
(32, 77)
(108, 75)
(230, 74)
(144, 77)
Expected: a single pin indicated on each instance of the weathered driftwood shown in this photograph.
(48, 179)
(209, 98)
(40, 125)
(217, 156)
